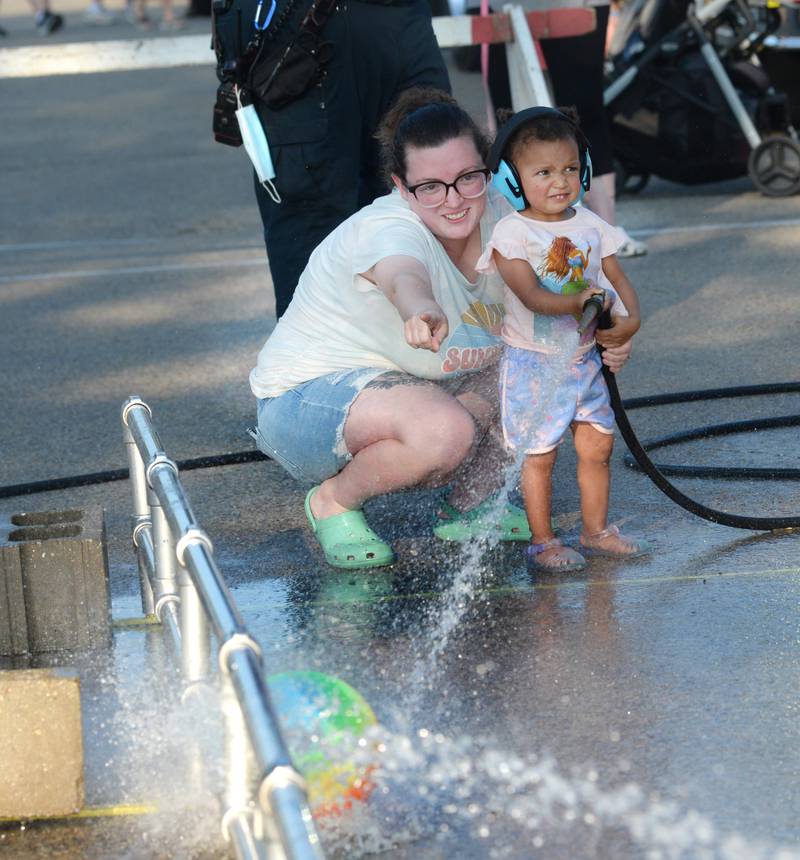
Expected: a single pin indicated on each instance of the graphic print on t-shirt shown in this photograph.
(561, 270)
(474, 343)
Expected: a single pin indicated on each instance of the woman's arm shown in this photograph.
(623, 328)
(522, 281)
(406, 283)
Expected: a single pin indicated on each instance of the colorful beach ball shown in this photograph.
(323, 719)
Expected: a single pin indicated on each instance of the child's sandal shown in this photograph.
(613, 544)
(553, 557)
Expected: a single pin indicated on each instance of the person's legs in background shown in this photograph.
(575, 65)
(136, 13)
(576, 73)
(96, 13)
(169, 21)
(46, 22)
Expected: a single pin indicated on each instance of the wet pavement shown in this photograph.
(641, 709)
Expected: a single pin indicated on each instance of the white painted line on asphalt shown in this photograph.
(717, 227)
(132, 270)
(80, 58)
(753, 226)
(641, 231)
(74, 243)
(118, 243)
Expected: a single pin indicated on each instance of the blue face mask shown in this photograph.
(255, 143)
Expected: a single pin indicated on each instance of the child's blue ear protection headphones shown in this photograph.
(506, 179)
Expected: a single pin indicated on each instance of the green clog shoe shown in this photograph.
(509, 523)
(347, 540)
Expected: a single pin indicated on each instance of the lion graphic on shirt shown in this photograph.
(565, 263)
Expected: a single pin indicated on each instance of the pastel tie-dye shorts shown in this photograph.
(542, 394)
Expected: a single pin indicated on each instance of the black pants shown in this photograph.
(322, 145)
(575, 64)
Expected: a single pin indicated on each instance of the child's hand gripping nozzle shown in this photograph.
(593, 308)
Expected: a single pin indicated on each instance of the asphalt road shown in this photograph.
(131, 262)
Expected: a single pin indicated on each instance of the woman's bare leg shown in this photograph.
(483, 470)
(401, 433)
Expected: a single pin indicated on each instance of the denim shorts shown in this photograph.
(540, 397)
(303, 428)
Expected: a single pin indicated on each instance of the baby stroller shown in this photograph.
(688, 101)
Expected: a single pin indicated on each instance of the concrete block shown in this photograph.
(54, 568)
(41, 743)
(13, 621)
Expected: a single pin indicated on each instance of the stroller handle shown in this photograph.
(709, 11)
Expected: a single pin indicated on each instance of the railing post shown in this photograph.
(165, 588)
(195, 632)
(141, 508)
(143, 541)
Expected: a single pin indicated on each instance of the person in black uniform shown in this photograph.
(322, 144)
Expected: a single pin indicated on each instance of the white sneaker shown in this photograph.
(97, 14)
(630, 247)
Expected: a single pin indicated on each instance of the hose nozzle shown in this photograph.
(592, 308)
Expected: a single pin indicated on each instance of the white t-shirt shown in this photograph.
(567, 257)
(338, 320)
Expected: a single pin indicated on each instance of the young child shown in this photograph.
(552, 257)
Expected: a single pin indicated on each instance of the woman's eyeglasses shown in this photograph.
(434, 193)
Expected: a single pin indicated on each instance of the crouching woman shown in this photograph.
(382, 373)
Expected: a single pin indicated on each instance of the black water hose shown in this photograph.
(638, 454)
(111, 475)
(656, 475)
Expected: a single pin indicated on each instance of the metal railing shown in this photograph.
(267, 805)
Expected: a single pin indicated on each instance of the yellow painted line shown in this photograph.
(120, 809)
(114, 811)
(139, 621)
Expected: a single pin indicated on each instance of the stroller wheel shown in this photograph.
(626, 182)
(774, 166)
